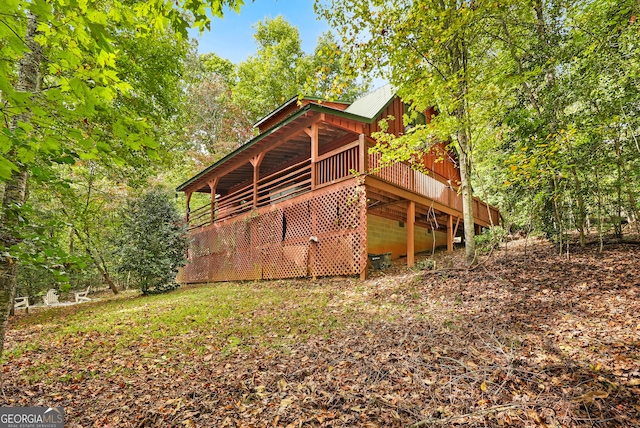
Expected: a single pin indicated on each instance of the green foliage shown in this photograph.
(280, 69)
(490, 239)
(152, 242)
(542, 95)
(44, 261)
(428, 264)
(567, 141)
(212, 63)
(106, 110)
(276, 72)
(330, 77)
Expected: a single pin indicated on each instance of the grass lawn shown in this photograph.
(523, 340)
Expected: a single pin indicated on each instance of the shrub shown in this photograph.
(490, 239)
(153, 242)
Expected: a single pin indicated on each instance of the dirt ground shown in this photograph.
(525, 339)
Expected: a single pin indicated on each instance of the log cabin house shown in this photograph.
(306, 198)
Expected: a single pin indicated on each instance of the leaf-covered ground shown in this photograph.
(531, 339)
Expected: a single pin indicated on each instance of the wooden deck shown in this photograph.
(386, 185)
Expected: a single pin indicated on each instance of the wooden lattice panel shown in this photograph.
(279, 241)
(335, 255)
(298, 222)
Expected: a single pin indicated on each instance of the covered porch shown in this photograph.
(303, 178)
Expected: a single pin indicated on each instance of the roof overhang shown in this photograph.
(303, 118)
(293, 100)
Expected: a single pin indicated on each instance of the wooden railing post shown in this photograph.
(188, 194)
(363, 153)
(213, 184)
(313, 134)
(256, 161)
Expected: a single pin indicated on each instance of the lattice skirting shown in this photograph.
(280, 241)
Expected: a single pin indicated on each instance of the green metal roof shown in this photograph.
(372, 104)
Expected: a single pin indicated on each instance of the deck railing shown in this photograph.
(291, 181)
(330, 168)
(285, 184)
(337, 164)
(200, 216)
(429, 185)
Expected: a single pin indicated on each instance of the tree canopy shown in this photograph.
(77, 84)
(538, 98)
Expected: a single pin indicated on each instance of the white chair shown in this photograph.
(81, 296)
(21, 303)
(51, 299)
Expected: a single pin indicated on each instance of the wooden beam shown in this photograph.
(455, 229)
(363, 273)
(188, 194)
(269, 142)
(411, 219)
(313, 134)
(256, 161)
(387, 204)
(363, 151)
(450, 234)
(397, 191)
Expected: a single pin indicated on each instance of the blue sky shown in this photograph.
(232, 36)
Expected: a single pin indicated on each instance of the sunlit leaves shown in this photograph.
(81, 70)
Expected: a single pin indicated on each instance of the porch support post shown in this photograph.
(449, 233)
(411, 219)
(313, 134)
(213, 184)
(256, 161)
(188, 194)
(364, 156)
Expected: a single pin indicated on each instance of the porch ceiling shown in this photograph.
(295, 148)
(292, 126)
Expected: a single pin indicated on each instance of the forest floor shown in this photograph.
(526, 339)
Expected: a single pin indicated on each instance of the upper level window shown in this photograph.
(418, 119)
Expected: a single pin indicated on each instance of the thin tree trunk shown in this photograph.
(618, 220)
(467, 203)
(459, 68)
(101, 268)
(581, 210)
(16, 188)
(599, 210)
(633, 208)
(556, 211)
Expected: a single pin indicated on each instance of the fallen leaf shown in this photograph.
(590, 396)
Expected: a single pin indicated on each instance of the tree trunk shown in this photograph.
(16, 188)
(557, 215)
(101, 268)
(580, 220)
(459, 68)
(467, 204)
(617, 222)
